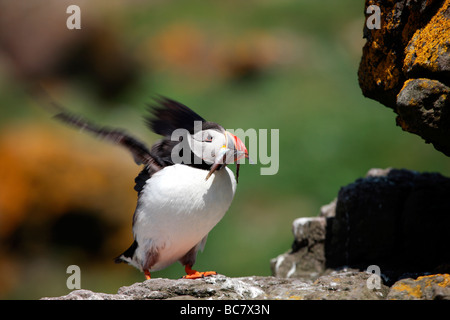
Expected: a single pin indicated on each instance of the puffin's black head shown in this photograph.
(208, 141)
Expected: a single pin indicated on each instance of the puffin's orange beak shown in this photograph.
(233, 151)
(237, 146)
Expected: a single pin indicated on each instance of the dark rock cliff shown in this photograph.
(406, 66)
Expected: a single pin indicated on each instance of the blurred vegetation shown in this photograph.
(287, 65)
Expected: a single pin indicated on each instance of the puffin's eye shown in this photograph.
(208, 138)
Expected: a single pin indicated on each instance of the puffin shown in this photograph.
(184, 188)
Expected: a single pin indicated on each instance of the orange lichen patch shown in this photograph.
(429, 43)
(413, 102)
(380, 73)
(433, 279)
(414, 291)
(391, 73)
(385, 72)
(392, 24)
(379, 70)
(425, 84)
(422, 284)
(405, 84)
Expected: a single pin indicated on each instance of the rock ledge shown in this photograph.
(346, 284)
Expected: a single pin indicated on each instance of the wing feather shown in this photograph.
(140, 152)
(169, 115)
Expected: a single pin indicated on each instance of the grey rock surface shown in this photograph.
(306, 259)
(423, 104)
(341, 285)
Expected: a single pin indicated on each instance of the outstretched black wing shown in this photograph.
(169, 115)
(139, 151)
(166, 116)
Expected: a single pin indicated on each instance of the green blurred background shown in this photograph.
(66, 198)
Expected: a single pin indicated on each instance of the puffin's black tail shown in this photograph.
(127, 253)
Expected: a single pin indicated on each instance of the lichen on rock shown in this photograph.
(409, 56)
(431, 287)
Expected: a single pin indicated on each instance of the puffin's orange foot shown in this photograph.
(147, 275)
(198, 274)
(194, 274)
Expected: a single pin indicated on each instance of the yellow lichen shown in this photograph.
(430, 42)
(430, 280)
(386, 72)
(424, 84)
(414, 291)
(421, 283)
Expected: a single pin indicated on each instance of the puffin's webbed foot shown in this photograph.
(194, 274)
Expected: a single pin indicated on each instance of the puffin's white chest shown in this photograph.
(177, 209)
